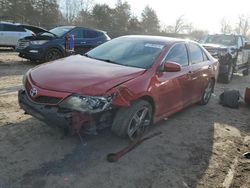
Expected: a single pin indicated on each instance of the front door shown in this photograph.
(175, 88)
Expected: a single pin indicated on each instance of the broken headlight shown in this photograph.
(91, 104)
(222, 51)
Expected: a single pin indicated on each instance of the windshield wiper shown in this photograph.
(100, 59)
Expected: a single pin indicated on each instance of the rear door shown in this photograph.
(85, 39)
(92, 39)
(199, 70)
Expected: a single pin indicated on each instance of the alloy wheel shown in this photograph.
(139, 122)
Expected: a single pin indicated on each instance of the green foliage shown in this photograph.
(150, 21)
(116, 21)
(37, 12)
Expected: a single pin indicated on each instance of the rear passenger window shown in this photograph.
(1, 27)
(90, 34)
(178, 54)
(13, 28)
(20, 29)
(196, 54)
(205, 56)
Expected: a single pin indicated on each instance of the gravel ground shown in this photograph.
(200, 146)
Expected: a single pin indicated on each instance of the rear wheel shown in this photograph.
(133, 121)
(53, 54)
(207, 93)
(246, 71)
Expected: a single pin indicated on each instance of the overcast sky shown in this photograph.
(203, 14)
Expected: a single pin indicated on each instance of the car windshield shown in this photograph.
(58, 31)
(128, 51)
(227, 40)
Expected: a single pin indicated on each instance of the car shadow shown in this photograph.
(9, 90)
(179, 157)
(4, 50)
(16, 68)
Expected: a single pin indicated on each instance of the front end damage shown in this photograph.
(225, 55)
(76, 112)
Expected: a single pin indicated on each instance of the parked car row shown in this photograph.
(37, 44)
(127, 83)
(51, 45)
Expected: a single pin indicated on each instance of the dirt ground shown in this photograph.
(201, 146)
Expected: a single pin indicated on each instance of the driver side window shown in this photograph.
(178, 54)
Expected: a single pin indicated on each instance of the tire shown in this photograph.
(246, 71)
(226, 78)
(131, 122)
(207, 93)
(53, 54)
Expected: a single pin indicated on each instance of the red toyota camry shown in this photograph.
(127, 83)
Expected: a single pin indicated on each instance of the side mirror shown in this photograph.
(170, 66)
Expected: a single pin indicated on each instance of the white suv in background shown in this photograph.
(10, 33)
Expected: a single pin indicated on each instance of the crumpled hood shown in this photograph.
(82, 75)
(217, 46)
(38, 37)
(34, 29)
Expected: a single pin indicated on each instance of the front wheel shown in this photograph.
(53, 54)
(246, 71)
(207, 93)
(133, 121)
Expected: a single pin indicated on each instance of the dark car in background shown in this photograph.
(232, 51)
(51, 45)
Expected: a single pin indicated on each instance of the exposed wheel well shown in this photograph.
(213, 79)
(150, 100)
(60, 50)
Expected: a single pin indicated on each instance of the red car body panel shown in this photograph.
(169, 92)
(82, 75)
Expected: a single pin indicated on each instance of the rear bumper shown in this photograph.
(52, 115)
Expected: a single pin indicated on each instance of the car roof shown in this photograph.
(220, 34)
(91, 29)
(66, 26)
(166, 40)
(73, 27)
(10, 23)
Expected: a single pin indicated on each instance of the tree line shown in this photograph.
(116, 21)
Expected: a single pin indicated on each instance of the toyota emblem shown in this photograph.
(33, 92)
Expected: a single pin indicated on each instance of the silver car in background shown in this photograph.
(10, 33)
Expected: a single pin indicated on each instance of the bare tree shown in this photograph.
(180, 26)
(71, 10)
(86, 5)
(243, 25)
(225, 26)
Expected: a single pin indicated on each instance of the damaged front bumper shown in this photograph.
(75, 112)
(53, 115)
